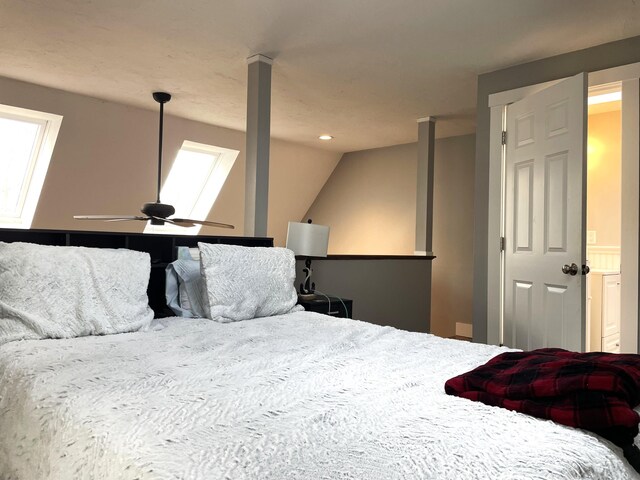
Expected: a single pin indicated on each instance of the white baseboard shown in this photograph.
(464, 330)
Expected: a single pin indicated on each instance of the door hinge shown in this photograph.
(502, 242)
(504, 137)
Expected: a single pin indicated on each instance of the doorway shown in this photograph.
(604, 217)
(627, 76)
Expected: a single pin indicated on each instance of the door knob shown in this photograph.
(585, 269)
(570, 269)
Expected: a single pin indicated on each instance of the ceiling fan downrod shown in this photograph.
(158, 210)
(161, 98)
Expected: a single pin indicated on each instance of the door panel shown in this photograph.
(554, 307)
(545, 218)
(524, 206)
(524, 130)
(555, 225)
(557, 119)
(523, 300)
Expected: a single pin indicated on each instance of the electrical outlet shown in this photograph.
(591, 237)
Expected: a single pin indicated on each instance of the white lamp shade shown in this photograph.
(308, 239)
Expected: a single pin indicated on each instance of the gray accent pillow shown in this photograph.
(184, 290)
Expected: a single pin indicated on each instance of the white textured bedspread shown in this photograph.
(298, 396)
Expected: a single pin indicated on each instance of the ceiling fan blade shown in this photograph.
(124, 219)
(181, 222)
(109, 218)
(201, 222)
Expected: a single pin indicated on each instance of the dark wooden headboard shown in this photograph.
(162, 248)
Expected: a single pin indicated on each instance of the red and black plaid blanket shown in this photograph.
(593, 391)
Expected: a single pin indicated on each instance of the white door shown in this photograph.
(545, 210)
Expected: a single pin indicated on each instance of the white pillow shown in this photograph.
(63, 292)
(248, 282)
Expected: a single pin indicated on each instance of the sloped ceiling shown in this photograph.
(361, 70)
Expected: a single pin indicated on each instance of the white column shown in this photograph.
(424, 197)
(257, 147)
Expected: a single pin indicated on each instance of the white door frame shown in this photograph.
(630, 243)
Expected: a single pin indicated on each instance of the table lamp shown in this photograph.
(311, 241)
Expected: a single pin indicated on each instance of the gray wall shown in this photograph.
(589, 60)
(452, 279)
(384, 291)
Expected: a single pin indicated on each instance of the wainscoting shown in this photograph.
(604, 258)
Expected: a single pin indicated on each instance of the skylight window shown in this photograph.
(194, 182)
(27, 138)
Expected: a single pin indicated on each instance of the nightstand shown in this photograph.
(331, 306)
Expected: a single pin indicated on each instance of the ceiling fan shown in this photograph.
(156, 212)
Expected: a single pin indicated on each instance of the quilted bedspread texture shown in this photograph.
(296, 396)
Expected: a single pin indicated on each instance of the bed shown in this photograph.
(296, 395)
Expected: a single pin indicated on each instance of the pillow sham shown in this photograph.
(184, 288)
(63, 292)
(248, 282)
(188, 253)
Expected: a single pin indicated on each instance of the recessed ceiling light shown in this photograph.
(325, 137)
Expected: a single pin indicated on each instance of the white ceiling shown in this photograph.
(361, 70)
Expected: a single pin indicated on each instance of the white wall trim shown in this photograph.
(464, 330)
(630, 238)
(259, 58)
(494, 260)
(615, 74)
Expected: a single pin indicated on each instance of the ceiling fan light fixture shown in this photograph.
(161, 210)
